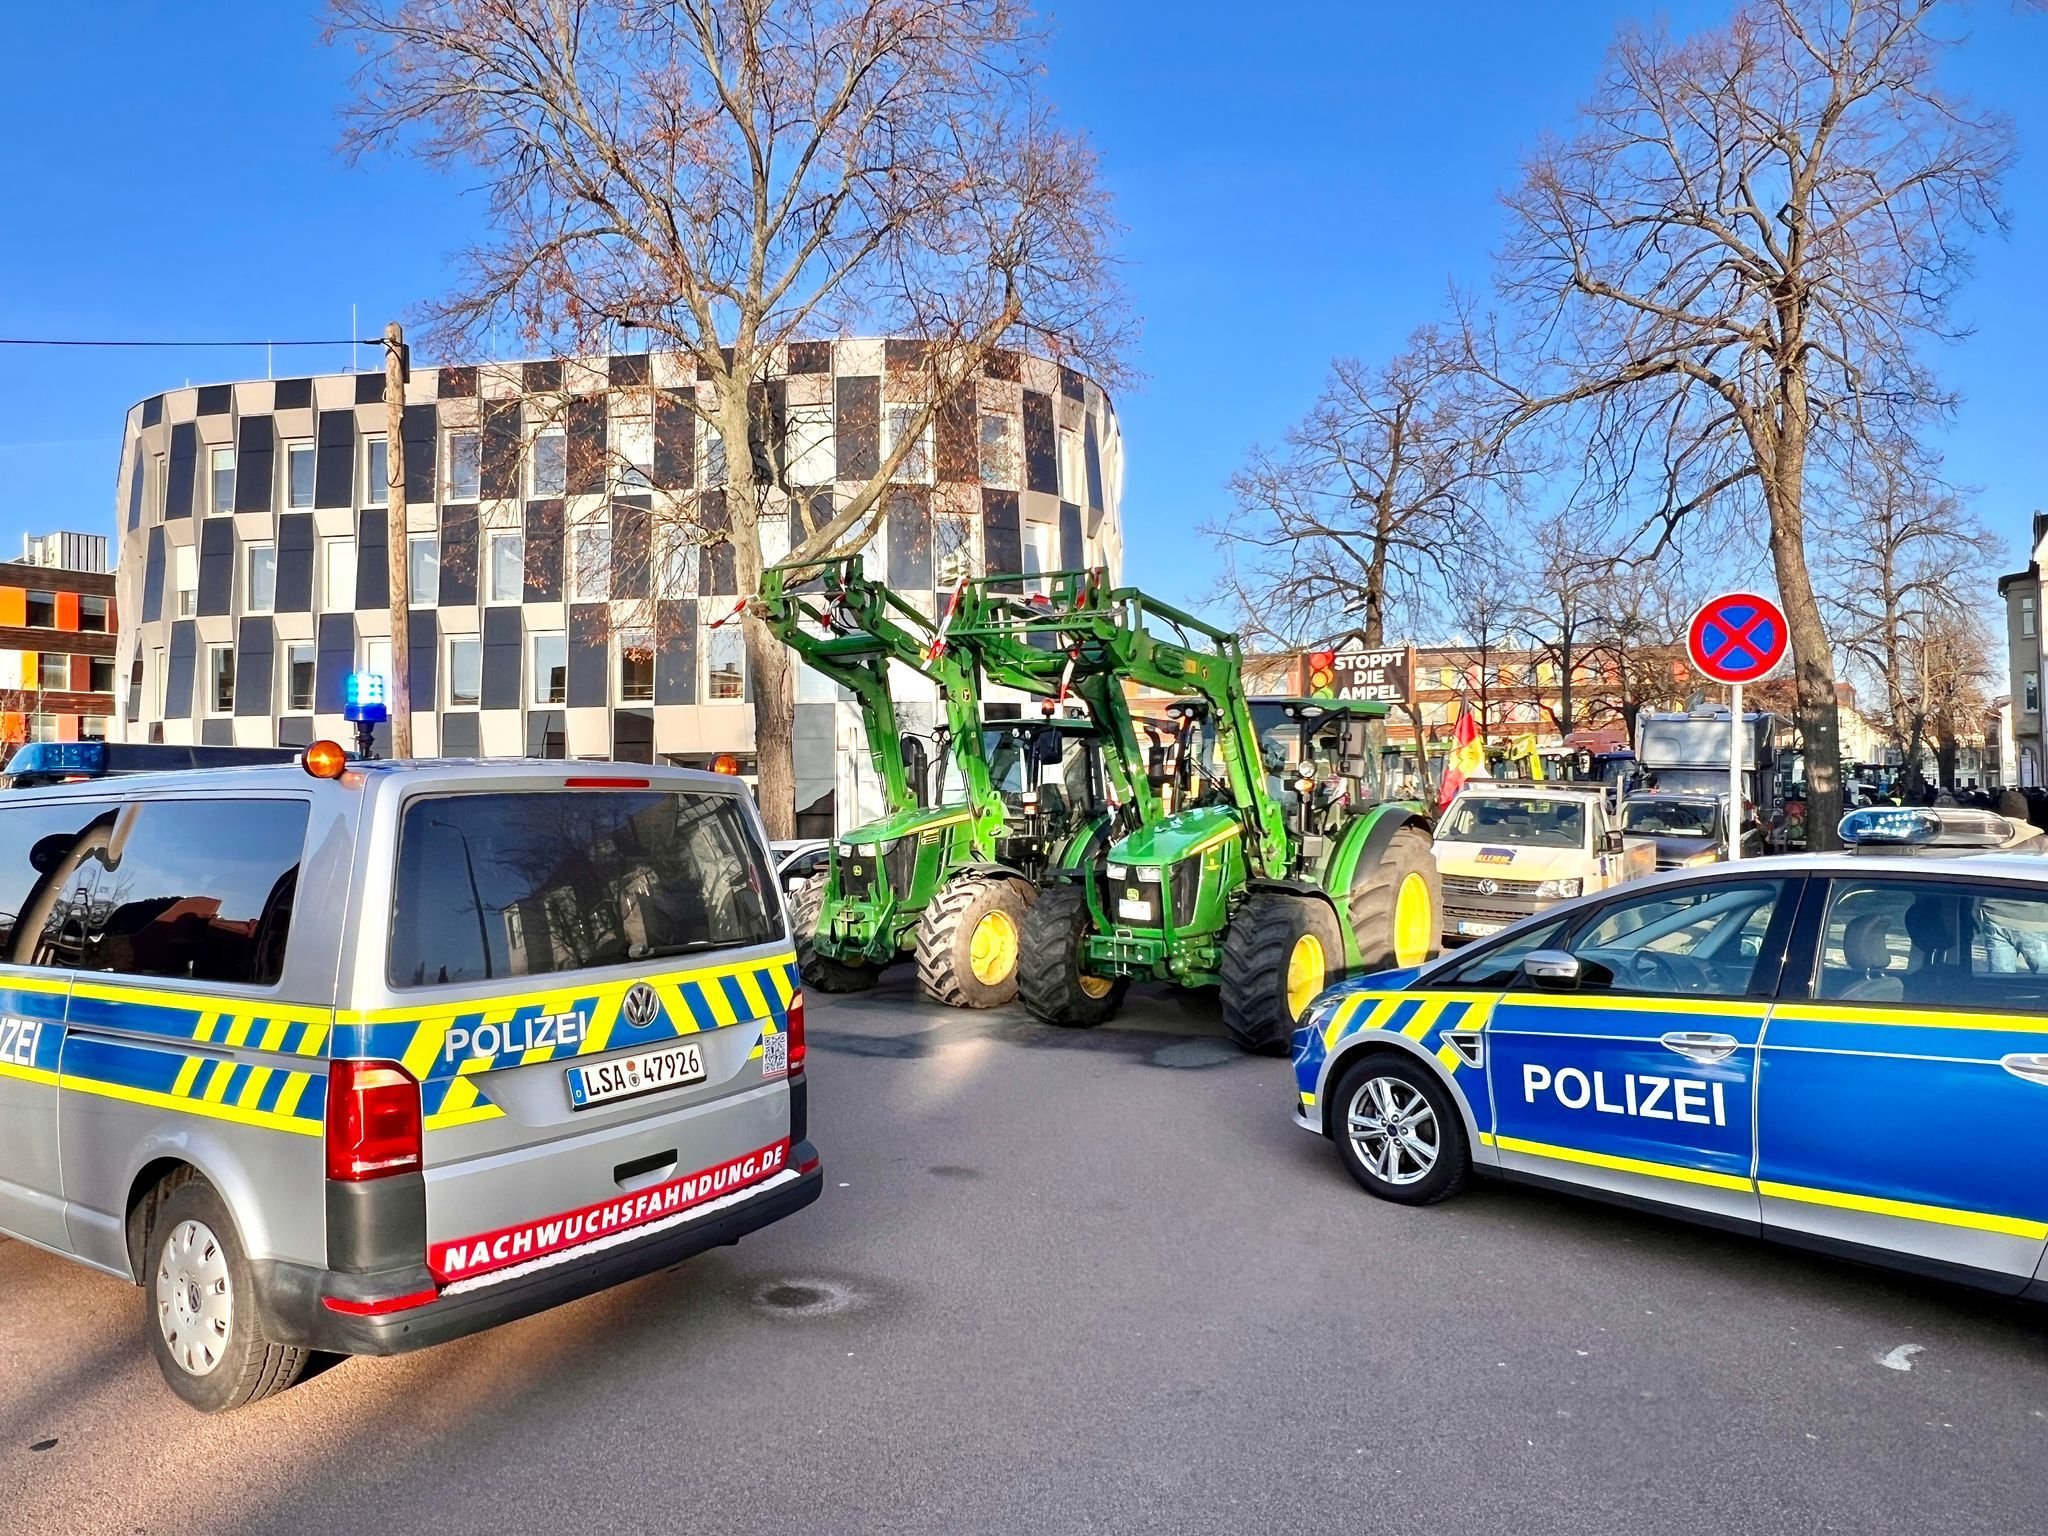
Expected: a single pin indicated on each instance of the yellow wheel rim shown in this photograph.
(992, 952)
(1096, 987)
(1306, 972)
(1414, 922)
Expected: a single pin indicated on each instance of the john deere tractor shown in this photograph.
(944, 879)
(1279, 868)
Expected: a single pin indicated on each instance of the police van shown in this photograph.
(363, 1056)
(1846, 1052)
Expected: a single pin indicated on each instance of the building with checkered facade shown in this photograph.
(254, 547)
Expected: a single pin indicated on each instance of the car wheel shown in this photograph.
(205, 1319)
(1398, 1131)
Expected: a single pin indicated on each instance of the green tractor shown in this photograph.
(1281, 865)
(948, 875)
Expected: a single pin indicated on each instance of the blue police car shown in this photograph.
(1845, 1051)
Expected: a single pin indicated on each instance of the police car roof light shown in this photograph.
(366, 698)
(83, 759)
(1894, 826)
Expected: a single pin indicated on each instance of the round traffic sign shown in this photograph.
(1737, 637)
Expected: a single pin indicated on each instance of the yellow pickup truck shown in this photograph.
(1507, 849)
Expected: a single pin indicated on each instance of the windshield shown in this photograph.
(526, 884)
(1340, 745)
(1526, 823)
(1670, 818)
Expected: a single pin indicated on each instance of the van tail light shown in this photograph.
(793, 1026)
(373, 1120)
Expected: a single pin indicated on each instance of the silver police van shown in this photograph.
(363, 1056)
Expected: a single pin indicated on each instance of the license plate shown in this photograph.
(641, 1072)
(1139, 910)
(1478, 930)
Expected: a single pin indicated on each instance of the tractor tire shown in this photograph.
(1397, 905)
(1049, 977)
(968, 941)
(822, 972)
(1280, 952)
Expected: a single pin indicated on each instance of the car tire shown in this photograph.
(206, 1321)
(968, 941)
(822, 973)
(1364, 1094)
(1280, 951)
(1050, 980)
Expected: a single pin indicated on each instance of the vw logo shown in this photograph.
(641, 1005)
(1486, 888)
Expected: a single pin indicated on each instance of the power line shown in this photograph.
(49, 341)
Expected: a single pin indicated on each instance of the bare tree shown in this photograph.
(1904, 555)
(729, 176)
(1373, 499)
(1639, 612)
(1730, 267)
(1560, 581)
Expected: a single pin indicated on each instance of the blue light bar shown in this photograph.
(366, 701)
(84, 759)
(1901, 826)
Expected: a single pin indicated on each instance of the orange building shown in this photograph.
(57, 628)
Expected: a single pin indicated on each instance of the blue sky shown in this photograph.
(1299, 181)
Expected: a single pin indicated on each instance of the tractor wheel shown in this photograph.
(1397, 905)
(1050, 979)
(968, 941)
(822, 972)
(1280, 952)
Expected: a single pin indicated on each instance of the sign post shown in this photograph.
(1736, 638)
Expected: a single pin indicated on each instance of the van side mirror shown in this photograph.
(1551, 969)
(1615, 840)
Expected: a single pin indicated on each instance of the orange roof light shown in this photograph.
(725, 762)
(324, 760)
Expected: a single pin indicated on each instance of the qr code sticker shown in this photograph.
(774, 1055)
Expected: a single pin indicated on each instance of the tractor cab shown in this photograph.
(1049, 774)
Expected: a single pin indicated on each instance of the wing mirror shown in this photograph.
(1615, 843)
(1551, 969)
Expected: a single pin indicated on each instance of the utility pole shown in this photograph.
(396, 366)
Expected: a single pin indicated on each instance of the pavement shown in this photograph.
(1090, 1281)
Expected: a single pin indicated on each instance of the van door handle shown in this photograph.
(1696, 1046)
(2034, 1068)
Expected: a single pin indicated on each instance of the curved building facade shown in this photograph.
(567, 547)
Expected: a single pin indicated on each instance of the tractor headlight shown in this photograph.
(1558, 887)
(1115, 871)
(1149, 874)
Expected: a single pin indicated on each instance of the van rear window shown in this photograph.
(527, 884)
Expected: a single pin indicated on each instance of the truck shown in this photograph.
(1506, 849)
(1683, 761)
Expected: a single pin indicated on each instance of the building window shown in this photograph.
(897, 420)
(506, 569)
(2030, 693)
(42, 728)
(710, 456)
(465, 671)
(809, 452)
(1002, 457)
(465, 465)
(726, 655)
(259, 585)
(298, 475)
(952, 549)
(550, 668)
(636, 666)
(221, 480)
(220, 679)
(376, 472)
(590, 562)
(298, 676)
(41, 612)
(92, 727)
(377, 656)
(337, 575)
(423, 569)
(2027, 614)
(185, 564)
(92, 615)
(675, 562)
(1039, 552)
(550, 464)
(100, 669)
(1073, 476)
(633, 442)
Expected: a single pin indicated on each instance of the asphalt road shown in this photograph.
(1089, 1282)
